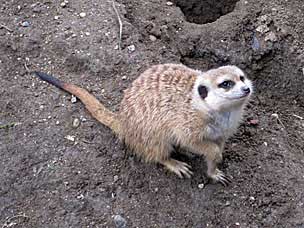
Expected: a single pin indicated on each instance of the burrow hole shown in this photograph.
(205, 11)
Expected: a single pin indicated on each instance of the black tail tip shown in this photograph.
(49, 78)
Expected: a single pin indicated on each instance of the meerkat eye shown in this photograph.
(242, 78)
(226, 84)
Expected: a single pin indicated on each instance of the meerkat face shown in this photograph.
(223, 88)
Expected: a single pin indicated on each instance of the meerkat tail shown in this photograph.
(97, 110)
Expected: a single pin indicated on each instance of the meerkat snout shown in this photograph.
(246, 90)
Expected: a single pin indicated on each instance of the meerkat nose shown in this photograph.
(246, 90)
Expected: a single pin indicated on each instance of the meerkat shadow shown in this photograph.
(197, 162)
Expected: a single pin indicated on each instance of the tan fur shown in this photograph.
(160, 110)
(97, 110)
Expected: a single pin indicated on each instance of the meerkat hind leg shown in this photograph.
(179, 168)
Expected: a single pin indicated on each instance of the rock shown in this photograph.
(262, 29)
(119, 221)
(201, 186)
(63, 4)
(271, 36)
(70, 138)
(73, 99)
(25, 24)
(56, 17)
(124, 77)
(76, 123)
(169, 3)
(37, 8)
(152, 38)
(156, 31)
(83, 119)
(87, 33)
(131, 48)
(82, 14)
(255, 43)
(254, 122)
(275, 115)
(115, 178)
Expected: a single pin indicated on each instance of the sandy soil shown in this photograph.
(50, 181)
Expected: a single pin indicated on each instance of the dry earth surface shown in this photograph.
(47, 180)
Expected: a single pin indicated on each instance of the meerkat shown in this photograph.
(172, 104)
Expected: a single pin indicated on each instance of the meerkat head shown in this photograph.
(222, 89)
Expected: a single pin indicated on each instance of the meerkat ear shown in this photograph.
(202, 91)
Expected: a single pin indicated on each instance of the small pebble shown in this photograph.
(251, 198)
(237, 224)
(265, 144)
(152, 38)
(70, 138)
(275, 115)
(169, 3)
(124, 77)
(57, 122)
(255, 44)
(119, 221)
(262, 29)
(87, 33)
(81, 196)
(73, 99)
(83, 119)
(115, 178)
(25, 24)
(201, 186)
(131, 48)
(271, 36)
(254, 122)
(82, 14)
(76, 123)
(63, 4)
(56, 17)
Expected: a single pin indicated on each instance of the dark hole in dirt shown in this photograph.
(205, 11)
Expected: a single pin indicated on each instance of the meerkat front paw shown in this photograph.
(179, 168)
(219, 176)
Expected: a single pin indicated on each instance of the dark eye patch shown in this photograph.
(226, 84)
(242, 78)
(203, 91)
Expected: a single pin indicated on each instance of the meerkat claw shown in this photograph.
(181, 169)
(220, 177)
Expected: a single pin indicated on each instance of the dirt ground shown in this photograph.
(49, 180)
